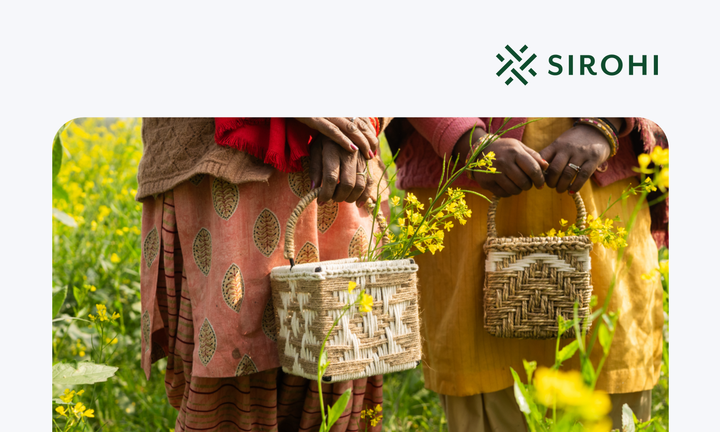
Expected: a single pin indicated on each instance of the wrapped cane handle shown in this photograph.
(289, 253)
(579, 205)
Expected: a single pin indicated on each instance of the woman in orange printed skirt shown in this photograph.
(212, 227)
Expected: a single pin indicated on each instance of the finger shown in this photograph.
(548, 154)
(531, 168)
(517, 177)
(348, 176)
(360, 181)
(558, 164)
(537, 157)
(330, 130)
(370, 190)
(586, 170)
(316, 163)
(351, 131)
(507, 185)
(331, 172)
(368, 130)
(569, 174)
(497, 190)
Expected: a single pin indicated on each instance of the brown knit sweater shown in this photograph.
(175, 149)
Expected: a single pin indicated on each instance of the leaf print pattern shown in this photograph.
(202, 250)
(307, 254)
(300, 181)
(225, 197)
(269, 325)
(326, 215)
(208, 342)
(145, 323)
(151, 246)
(157, 353)
(266, 232)
(246, 367)
(233, 288)
(359, 244)
(197, 179)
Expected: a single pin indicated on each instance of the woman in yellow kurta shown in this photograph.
(468, 367)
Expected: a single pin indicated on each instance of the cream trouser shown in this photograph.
(498, 411)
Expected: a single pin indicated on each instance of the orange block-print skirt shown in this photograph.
(207, 250)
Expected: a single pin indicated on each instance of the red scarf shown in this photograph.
(266, 139)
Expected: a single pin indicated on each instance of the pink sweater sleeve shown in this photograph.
(443, 133)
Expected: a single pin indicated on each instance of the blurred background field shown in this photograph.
(96, 256)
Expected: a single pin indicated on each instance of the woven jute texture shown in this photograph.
(529, 282)
(307, 299)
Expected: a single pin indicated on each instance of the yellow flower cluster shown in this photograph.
(428, 234)
(662, 270)
(78, 411)
(567, 391)
(364, 301)
(661, 158)
(373, 415)
(102, 314)
(599, 230)
(484, 163)
(79, 348)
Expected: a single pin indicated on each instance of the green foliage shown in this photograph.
(98, 263)
(65, 375)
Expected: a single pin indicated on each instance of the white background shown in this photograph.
(81, 59)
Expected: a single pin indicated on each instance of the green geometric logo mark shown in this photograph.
(514, 55)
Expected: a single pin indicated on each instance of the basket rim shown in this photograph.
(347, 267)
(528, 239)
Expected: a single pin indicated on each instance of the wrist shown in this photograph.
(606, 128)
(462, 146)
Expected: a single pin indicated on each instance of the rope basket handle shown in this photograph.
(579, 205)
(289, 253)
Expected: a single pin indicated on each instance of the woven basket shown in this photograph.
(530, 281)
(309, 297)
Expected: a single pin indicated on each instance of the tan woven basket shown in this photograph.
(309, 297)
(529, 281)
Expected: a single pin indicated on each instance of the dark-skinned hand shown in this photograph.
(352, 136)
(581, 145)
(339, 173)
(518, 168)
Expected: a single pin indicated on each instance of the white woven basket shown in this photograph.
(307, 298)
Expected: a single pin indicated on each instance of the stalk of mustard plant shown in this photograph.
(364, 304)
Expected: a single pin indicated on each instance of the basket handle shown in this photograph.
(289, 253)
(579, 205)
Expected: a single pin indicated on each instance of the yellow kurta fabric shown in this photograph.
(462, 359)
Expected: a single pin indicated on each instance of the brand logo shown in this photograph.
(517, 74)
(518, 67)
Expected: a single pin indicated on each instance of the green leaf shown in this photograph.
(64, 218)
(567, 352)
(529, 369)
(86, 373)
(337, 409)
(520, 398)
(79, 294)
(605, 338)
(587, 370)
(563, 324)
(628, 419)
(58, 299)
(57, 152)
(59, 192)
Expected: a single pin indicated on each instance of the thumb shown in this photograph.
(538, 158)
